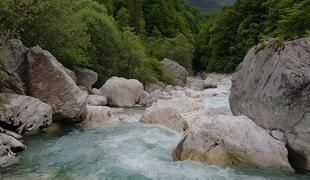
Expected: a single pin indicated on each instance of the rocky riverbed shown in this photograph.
(127, 129)
(126, 150)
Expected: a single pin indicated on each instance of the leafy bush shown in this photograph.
(178, 49)
(78, 33)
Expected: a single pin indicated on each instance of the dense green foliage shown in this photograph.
(179, 49)
(227, 35)
(81, 33)
(210, 5)
(129, 38)
(169, 17)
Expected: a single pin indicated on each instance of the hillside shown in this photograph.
(209, 5)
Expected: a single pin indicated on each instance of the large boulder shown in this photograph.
(49, 82)
(272, 87)
(178, 71)
(227, 140)
(122, 92)
(86, 78)
(9, 145)
(24, 114)
(167, 116)
(13, 57)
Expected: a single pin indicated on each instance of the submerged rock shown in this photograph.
(122, 92)
(24, 114)
(178, 71)
(226, 140)
(272, 87)
(167, 116)
(49, 82)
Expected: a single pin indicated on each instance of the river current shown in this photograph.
(127, 150)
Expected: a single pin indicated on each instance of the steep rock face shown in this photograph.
(86, 78)
(49, 82)
(24, 114)
(226, 140)
(178, 71)
(272, 87)
(122, 92)
(13, 56)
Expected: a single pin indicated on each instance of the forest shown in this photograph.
(130, 38)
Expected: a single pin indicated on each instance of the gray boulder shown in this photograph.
(13, 57)
(179, 72)
(9, 145)
(272, 87)
(227, 140)
(167, 116)
(49, 82)
(97, 100)
(86, 78)
(122, 92)
(153, 87)
(24, 114)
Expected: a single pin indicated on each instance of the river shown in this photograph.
(127, 150)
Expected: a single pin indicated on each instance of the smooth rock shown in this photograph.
(71, 74)
(193, 116)
(86, 78)
(195, 83)
(97, 100)
(145, 99)
(272, 87)
(227, 140)
(99, 114)
(49, 82)
(157, 95)
(24, 114)
(178, 71)
(122, 92)
(183, 104)
(94, 91)
(167, 116)
(153, 87)
(279, 135)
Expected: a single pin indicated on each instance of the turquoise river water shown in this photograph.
(127, 150)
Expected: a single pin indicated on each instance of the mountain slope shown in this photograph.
(209, 5)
